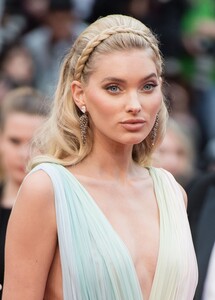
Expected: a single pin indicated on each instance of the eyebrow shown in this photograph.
(115, 79)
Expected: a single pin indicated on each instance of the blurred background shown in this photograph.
(36, 34)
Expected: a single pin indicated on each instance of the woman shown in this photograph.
(93, 220)
(22, 112)
(177, 154)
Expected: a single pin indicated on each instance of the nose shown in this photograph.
(133, 106)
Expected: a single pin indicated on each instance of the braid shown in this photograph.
(93, 43)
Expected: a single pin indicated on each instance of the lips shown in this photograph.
(133, 124)
(133, 121)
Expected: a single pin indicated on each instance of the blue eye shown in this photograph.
(149, 86)
(113, 88)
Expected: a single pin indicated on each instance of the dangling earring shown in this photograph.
(154, 131)
(83, 124)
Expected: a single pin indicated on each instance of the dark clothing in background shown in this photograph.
(201, 214)
(4, 217)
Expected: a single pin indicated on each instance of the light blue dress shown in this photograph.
(96, 264)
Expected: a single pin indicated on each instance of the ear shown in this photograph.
(77, 93)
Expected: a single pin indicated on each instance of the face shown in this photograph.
(60, 23)
(172, 155)
(123, 96)
(19, 66)
(15, 144)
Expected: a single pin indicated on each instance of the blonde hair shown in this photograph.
(60, 141)
(25, 100)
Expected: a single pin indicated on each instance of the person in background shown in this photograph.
(16, 68)
(198, 32)
(22, 113)
(177, 154)
(94, 219)
(201, 212)
(49, 42)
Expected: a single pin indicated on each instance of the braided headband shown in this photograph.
(93, 43)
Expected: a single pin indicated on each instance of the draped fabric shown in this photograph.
(96, 265)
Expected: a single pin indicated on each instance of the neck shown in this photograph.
(10, 191)
(109, 161)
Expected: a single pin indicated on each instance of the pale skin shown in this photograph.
(15, 138)
(173, 155)
(125, 86)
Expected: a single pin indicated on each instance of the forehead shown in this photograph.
(128, 62)
(21, 122)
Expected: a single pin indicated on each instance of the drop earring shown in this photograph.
(83, 124)
(154, 131)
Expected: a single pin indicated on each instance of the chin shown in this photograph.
(134, 139)
(134, 142)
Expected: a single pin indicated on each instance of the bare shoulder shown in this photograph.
(31, 239)
(37, 183)
(35, 198)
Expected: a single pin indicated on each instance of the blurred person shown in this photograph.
(166, 18)
(201, 212)
(208, 155)
(163, 17)
(198, 32)
(20, 17)
(22, 112)
(177, 153)
(93, 219)
(34, 12)
(101, 8)
(83, 8)
(49, 42)
(16, 68)
(5, 87)
(12, 22)
(180, 101)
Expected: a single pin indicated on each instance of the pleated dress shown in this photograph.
(96, 264)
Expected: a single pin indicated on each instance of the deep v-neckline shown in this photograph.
(116, 234)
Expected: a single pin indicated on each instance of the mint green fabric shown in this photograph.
(96, 264)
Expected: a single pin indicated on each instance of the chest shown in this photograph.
(133, 214)
(109, 238)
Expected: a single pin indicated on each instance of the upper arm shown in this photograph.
(31, 239)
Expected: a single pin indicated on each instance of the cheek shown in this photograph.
(152, 111)
(8, 155)
(101, 118)
(157, 101)
(5, 149)
(100, 107)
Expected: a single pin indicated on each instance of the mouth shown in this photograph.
(133, 121)
(133, 124)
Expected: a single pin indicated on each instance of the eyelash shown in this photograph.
(152, 86)
(108, 88)
(117, 88)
